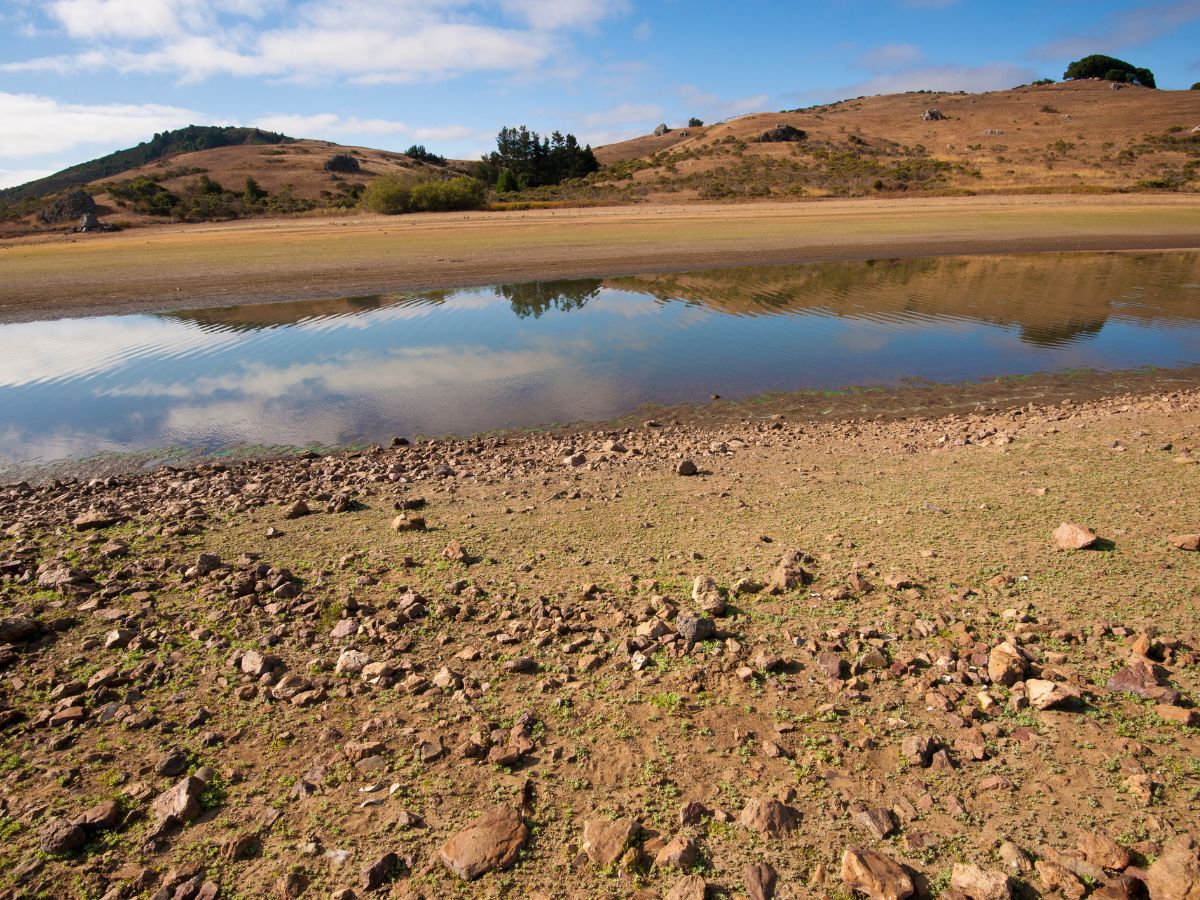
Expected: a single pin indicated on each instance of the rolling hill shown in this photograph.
(1072, 137)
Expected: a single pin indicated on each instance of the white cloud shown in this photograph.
(990, 77)
(1127, 28)
(13, 177)
(44, 126)
(137, 19)
(710, 106)
(327, 125)
(365, 42)
(625, 114)
(549, 15)
(642, 31)
(889, 56)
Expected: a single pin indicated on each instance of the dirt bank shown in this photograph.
(205, 265)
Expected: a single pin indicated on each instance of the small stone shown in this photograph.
(760, 881)
(182, 802)
(879, 822)
(1185, 541)
(604, 841)
(1050, 694)
(693, 628)
(686, 467)
(681, 852)
(769, 817)
(1068, 536)
(1006, 665)
(379, 872)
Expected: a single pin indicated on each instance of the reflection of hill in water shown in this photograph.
(1053, 299)
(257, 316)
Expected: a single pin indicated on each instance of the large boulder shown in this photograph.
(782, 134)
(1175, 875)
(68, 207)
(933, 115)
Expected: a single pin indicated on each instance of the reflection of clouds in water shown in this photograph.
(21, 445)
(76, 348)
(626, 305)
(356, 373)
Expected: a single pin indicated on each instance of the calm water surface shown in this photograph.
(363, 369)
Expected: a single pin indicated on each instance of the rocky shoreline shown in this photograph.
(774, 656)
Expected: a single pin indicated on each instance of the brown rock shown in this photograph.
(378, 872)
(978, 883)
(879, 822)
(1101, 850)
(104, 816)
(1141, 677)
(1175, 875)
(686, 467)
(1006, 664)
(1050, 694)
(182, 802)
(769, 817)
(1069, 536)
(454, 552)
(876, 875)
(680, 852)
(690, 887)
(760, 880)
(59, 837)
(1055, 877)
(1185, 541)
(604, 841)
(490, 842)
(789, 573)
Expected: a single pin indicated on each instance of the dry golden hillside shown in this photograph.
(1074, 136)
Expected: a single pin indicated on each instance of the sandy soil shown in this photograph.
(194, 266)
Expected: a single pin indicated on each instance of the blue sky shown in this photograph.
(79, 78)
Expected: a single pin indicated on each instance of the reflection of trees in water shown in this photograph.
(1062, 335)
(534, 298)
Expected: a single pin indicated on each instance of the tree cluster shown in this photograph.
(1109, 68)
(419, 153)
(532, 160)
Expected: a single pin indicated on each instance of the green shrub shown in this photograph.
(447, 194)
(693, 122)
(391, 195)
(1196, 86)
(387, 194)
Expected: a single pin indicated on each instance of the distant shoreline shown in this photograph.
(199, 266)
